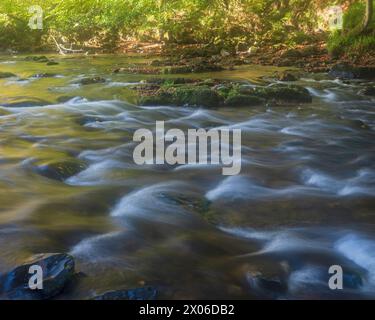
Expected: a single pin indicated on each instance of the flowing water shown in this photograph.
(304, 200)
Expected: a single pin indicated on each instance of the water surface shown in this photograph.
(304, 199)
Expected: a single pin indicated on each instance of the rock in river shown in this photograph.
(368, 91)
(37, 58)
(347, 71)
(60, 170)
(58, 270)
(91, 80)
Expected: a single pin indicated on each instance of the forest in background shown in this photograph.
(235, 25)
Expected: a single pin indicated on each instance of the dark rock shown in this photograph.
(286, 76)
(267, 286)
(91, 80)
(44, 75)
(58, 269)
(368, 91)
(37, 58)
(146, 293)
(189, 202)
(52, 63)
(347, 71)
(359, 124)
(4, 75)
(60, 170)
(342, 71)
(243, 100)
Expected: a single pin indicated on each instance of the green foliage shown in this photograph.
(219, 23)
(350, 42)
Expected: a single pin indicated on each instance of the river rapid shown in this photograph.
(304, 201)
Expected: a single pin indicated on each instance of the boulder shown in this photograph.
(284, 93)
(58, 270)
(146, 293)
(242, 100)
(184, 96)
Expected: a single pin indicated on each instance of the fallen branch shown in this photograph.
(63, 50)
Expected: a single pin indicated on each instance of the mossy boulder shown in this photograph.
(284, 93)
(184, 96)
(242, 100)
(58, 270)
(4, 75)
(200, 96)
(214, 93)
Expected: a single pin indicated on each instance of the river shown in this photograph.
(304, 200)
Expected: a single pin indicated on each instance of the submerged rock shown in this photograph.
(368, 91)
(189, 202)
(58, 269)
(91, 80)
(52, 63)
(4, 75)
(146, 293)
(44, 75)
(267, 286)
(60, 170)
(37, 58)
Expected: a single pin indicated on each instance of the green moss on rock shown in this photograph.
(242, 100)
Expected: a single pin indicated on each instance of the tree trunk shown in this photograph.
(369, 13)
